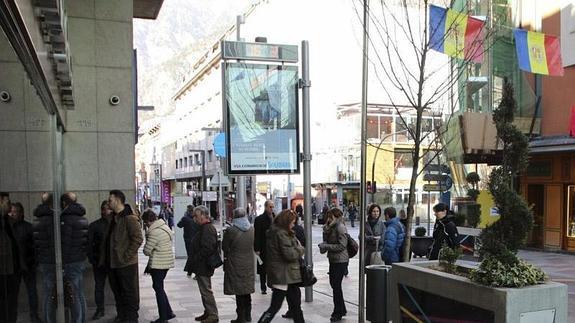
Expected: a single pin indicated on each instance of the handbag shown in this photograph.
(215, 260)
(307, 276)
(375, 258)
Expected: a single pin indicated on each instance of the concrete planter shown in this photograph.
(442, 296)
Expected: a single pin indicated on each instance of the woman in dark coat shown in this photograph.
(335, 244)
(190, 228)
(374, 231)
(239, 268)
(283, 252)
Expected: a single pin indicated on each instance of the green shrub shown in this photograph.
(501, 240)
(494, 273)
(473, 215)
(448, 257)
(473, 194)
(420, 231)
(459, 219)
(473, 179)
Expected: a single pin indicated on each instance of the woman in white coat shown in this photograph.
(158, 247)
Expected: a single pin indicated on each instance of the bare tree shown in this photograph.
(416, 80)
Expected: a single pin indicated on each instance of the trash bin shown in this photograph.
(376, 293)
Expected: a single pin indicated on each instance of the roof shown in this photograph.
(147, 9)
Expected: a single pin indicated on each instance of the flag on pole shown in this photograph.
(538, 53)
(456, 34)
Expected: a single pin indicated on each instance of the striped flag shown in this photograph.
(456, 34)
(538, 53)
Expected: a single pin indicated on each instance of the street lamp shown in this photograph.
(375, 159)
(203, 152)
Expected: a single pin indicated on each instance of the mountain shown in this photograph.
(168, 46)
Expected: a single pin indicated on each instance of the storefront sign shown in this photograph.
(166, 192)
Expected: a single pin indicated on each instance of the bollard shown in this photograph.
(376, 294)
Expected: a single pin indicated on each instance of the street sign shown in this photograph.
(208, 196)
(217, 180)
(220, 144)
(437, 168)
(434, 187)
(434, 177)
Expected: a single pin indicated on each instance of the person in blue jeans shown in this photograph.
(74, 233)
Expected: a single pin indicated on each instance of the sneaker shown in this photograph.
(335, 318)
(264, 292)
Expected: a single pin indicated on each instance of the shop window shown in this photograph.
(372, 127)
(571, 211)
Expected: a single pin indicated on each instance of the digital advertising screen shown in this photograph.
(261, 109)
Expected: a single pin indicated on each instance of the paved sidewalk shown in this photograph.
(186, 302)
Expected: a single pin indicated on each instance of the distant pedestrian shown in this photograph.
(121, 256)
(239, 269)
(24, 235)
(352, 213)
(335, 244)
(9, 265)
(444, 231)
(204, 246)
(74, 232)
(403, 218)
(283, 257)
(159, 242)
(97, 232)
(262, 223)
(374, 232)
(393, 239)
(191, 228)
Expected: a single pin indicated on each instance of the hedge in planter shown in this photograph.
(500, 241)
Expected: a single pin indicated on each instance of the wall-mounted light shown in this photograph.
(114, 100)
(5, 96)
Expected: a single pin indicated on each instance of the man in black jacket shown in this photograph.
(9, 265)
(23, 233)
(261, 225)
(74, 235)
(96, 237)
(444, 231)
(204, 246)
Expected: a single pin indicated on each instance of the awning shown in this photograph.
(551, 144)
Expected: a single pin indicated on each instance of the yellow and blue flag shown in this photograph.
(538, 53)
(456, 34)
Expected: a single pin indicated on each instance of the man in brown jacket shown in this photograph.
(121, 256)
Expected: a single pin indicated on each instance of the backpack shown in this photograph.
(352, 246)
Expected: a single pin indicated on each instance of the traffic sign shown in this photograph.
(220, 144)
(218, 180)
(434, 177)
(437, 168)
(434, 187)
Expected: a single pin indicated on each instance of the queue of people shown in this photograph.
(111, 244)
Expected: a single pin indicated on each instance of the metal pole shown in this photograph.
(203, 170)
(363, 197)
(288, 193)
(221, 193)
(57, 183)
(241, 180)
(306, 159)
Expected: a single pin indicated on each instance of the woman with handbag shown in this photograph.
(158, 247)
(239, 266)
(374, 232)
(283, 252)
(335, 244)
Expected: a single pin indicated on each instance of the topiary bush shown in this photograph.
(420, 231)
(501, 240)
